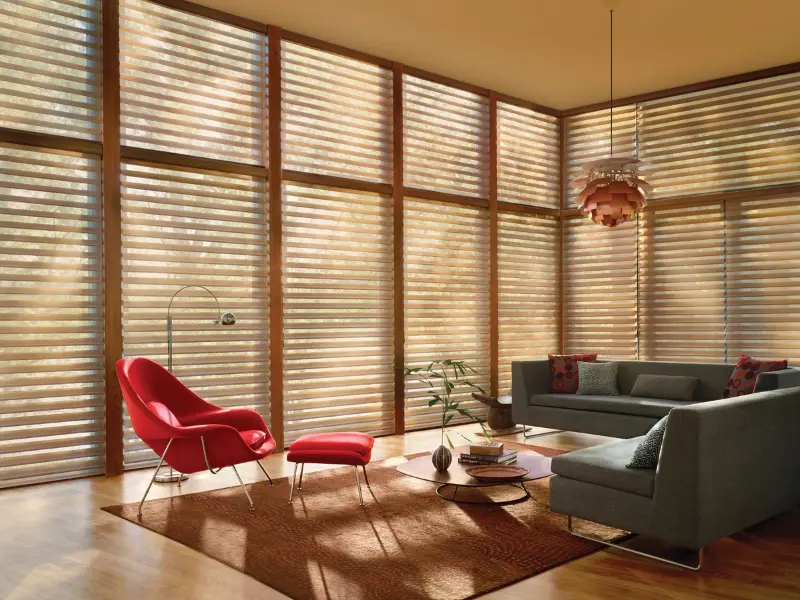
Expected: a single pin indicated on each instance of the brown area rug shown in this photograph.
(406, 543)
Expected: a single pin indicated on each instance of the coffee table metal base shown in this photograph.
(452, 498)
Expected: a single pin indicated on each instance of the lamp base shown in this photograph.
(171, 476)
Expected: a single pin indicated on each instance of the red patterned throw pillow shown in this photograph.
(743, 379)
(564, 371)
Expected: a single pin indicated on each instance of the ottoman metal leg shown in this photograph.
(291, 490)
(366, 479)
(358, 483)
(300, 483)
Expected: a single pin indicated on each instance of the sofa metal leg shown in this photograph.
(527, 437)
(291, 489)
(692, 567)
(300, 483)
(366, 479)
(358, 483)
(155, 473)
(265, 473)
(241, 483)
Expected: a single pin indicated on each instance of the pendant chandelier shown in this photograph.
(611, 192)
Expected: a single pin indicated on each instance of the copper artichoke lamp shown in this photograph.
(611, 192)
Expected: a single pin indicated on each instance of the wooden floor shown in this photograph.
(55, 542)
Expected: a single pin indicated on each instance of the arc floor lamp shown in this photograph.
(224, 319)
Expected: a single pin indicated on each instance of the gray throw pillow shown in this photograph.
(598, 378)
(665, 387)
(647, 452)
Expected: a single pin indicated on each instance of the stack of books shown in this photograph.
(488, 453)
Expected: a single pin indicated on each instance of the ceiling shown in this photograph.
(554, 52)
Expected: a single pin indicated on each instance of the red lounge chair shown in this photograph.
(188, 433)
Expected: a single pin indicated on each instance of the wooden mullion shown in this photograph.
(494, 296)
(275, 239)
(337, 182)
(701, 86)
(437, 196)
(171, 159)
(112, 236)
(335, 49)
(397, 208)
(34, 139)
(528, 209)
(211, 13)
(468, 87)
(562, 197)
(553, 112)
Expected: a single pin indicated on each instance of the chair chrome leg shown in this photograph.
(695, 567)
(300, 483)
(291, 489)
(265, 473)
(527, 437)
(149, 485)
(358, 483)
(241, 483)
(366, 479)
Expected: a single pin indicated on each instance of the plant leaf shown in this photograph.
(449, 441)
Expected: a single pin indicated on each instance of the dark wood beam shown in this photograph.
(494, 296)
(397, 208)
(337, 182)
(335, 49)
(212, 13)
(49, 141)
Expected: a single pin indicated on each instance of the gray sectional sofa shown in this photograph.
(725, 464)
(622, 416)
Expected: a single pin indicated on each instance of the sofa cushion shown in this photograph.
(564, 371)
(605, 465)
(648, 451)
(624, 405)
(666, 387)
(743, 378)
(599, 379)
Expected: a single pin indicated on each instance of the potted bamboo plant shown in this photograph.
(442, 378)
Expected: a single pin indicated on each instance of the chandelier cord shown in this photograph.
(611, 81)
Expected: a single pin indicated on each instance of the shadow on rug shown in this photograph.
(406, 543)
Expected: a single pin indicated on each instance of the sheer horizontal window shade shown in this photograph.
(728, 138)
(186, 227)
(528, 289)
(588, 138)
(528, 156)
(51, 331)
(763, 277)
(191, 85)
(50, 66)
(446, 262)
(337, 116)
(337, 311)
(600, 304)
(445, 138)
(681, 283)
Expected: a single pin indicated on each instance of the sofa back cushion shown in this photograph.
(665, 387)
(713, 376)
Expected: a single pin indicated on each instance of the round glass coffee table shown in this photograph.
(456, 476)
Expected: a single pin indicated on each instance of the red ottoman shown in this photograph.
(345, 448)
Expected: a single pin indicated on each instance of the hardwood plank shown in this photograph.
(74, 550)
(112, 235)
(397, 208)
(275, 239)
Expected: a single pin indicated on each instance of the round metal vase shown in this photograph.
(441, 459)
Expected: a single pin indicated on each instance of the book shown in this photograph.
(477, 461)
(487, 448)
(489, 460)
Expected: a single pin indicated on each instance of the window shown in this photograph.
(187, 227)
(446, 145)
(446, 262)
(50, 67)
(763, 277)
(528, 156)
(337, 309)
(728, 138)
(336, 115)
(191, 85)
(681, 283)
(52, 370)
(600, 301)
(528, 291)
